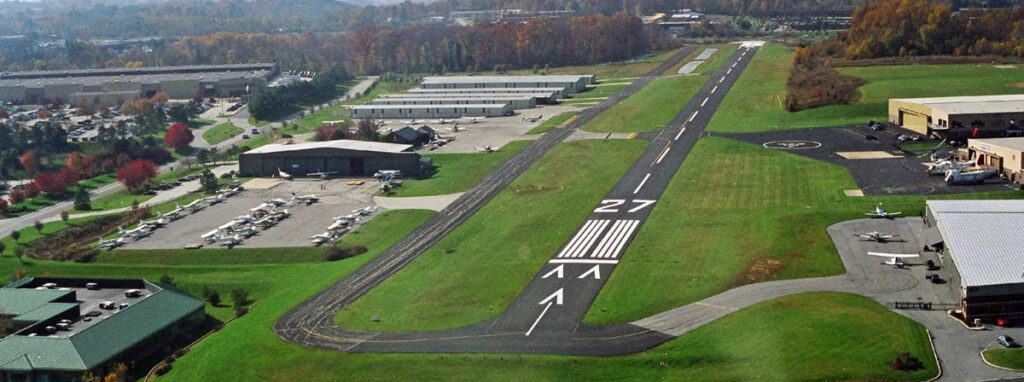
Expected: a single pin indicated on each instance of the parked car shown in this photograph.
(149, 192)
(255, 131)
(930, 265)
(245, 136)
(1007, 342)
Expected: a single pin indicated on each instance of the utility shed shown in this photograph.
(347, 157)
(958, 117)
(571, 83)
(1005, 155)
(983, 251)
(430, 111)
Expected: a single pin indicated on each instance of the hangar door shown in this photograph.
(913, 121)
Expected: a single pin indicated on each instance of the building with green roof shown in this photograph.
(65, 327)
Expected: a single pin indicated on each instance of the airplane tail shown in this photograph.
(119, 229)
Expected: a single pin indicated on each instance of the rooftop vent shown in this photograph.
(92, 286)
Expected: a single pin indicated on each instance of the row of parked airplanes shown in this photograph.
(341, 224)
(263, 216)
(145, 228)
(895, 259)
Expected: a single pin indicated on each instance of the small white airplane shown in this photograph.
(278, 202)
(136, 233)
(153, 224)
(279, 214)
(472, 119)
(213, 199)
(244, 219)
(455, 129)
(350, 218)
(337, 225)
(880, 213)
(284, 175)
(444, 121)
(173, 215)
(894, 258)
(194, 206)
(309, 199)
(365, 210)
(230, 241)
(411, 121)
(321, 238)
(533, 119)
(876, 236)
(266, 222)
(486, 149)
(322, 174)
(110, 244)
(231, 225)
(247, 231)
(210, 237)
(264, 208)
(228, 192)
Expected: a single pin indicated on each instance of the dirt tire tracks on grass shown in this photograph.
(311, 323)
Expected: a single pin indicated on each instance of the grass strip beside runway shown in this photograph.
(457, 172)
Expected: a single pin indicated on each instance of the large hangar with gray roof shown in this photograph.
(522, 101)
(571, 83)
(546, 95)
(981, 247)
(429, 111)
(345, 157)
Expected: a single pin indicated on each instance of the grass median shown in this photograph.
(474, 273)
(552, 123)
(1008, 358)
(650, 109)
(457, 172)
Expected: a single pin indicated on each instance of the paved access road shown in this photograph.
(546, 316)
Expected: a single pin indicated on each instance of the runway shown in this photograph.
(546, 317)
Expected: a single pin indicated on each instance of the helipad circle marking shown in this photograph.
(792, 144)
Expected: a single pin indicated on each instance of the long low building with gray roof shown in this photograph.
(108, 86)
(982, 252)
(521, 101)
(552, 94)
(430, 111)
(342, 157)
(571, 83)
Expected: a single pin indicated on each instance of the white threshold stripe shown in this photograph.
(538, 318)
(609, 238)
(589, 240)
(625, 238)
(663, 153)
(582, 261)
(579, 236)
(642, 183)
(617, 241)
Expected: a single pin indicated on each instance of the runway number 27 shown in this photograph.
(613, 205)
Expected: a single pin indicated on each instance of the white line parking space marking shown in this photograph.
(615, 240)
(582, 261)
(713, 89)
(663, 153)
(584, 239)
(642, 183)
(705, 101)
(680, 134)
(694, 115)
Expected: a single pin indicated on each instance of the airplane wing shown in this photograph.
(895, 213)
(871, 214)
(893, 255)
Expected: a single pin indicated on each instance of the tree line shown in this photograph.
(277, 102)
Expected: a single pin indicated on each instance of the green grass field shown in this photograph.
(123, 198)
(650, 109)
(792, 338)
(1008, 358)
(221, 133)
(340, 112)
(610, 72)
(718, 59)
(756, 103)
(552, 123)
(763, 219)
(495, 252)
(457, 172)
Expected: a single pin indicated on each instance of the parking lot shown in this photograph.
(492, 131)
(338, 198)
(869, 155)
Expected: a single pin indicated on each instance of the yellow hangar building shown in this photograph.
(959, 117)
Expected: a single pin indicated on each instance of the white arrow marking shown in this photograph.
(596, 270)
(559, 271)
(538, 318)
(557, 296)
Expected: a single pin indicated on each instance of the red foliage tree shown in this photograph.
(17, 196)
(3, 205)
(323, 133)
(88, 167)
(55, 183)
(32, 190)
(4, 113)
(107, 165)
(68, 177)
(136, 173)
(122, 159)
(178, 137)
(28, 162)
(75, 161)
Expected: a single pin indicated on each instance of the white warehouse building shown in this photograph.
(571, 83)
(430, 111)
(517, 102)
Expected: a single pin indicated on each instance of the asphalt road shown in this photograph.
(546, 317)
(311, 323)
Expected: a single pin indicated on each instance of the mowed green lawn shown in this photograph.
(221, 132)
(552, 123)
(736, 214)
(650, 109)
(1008, 358)
(792, 338)
(457, 172)
(608, 72)
(339, 112)
(756, 101)
(478, 269)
